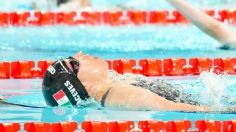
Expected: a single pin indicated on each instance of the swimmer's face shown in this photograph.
(92, 71)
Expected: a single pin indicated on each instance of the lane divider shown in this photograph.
(112, 18)
(124, 126)
(147, 67)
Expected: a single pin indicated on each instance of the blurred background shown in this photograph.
(7, 5)
(108, 42)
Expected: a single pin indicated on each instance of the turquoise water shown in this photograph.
(10, 5)
(133, 42)
(28, 92)
(34, 43)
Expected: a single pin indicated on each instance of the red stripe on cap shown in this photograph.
(59, 95)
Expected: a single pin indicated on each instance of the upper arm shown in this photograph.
(135, 98)
(206, 23)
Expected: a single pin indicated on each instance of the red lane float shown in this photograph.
(210, 126)
(229, 126)
(90, 126)
(170, 126)
(9, 127)
(50, 127)
(147, 67)
(4, 70)
(113, 18)
(91, 18)
(26, 69)
(147, 126)
(124, 66)
(137, 17)
(200, 64)
(225, 65)
(3, 19)
(18, 19)
(21, 69)
(124, 126)
(151, 67)
(120, 126)
(43, 65)
(37, 127)
(174, 67)
(228, 16)
(116, 126)
(64, 127)
(158, 17)
(178, 126)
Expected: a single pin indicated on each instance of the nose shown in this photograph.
(96, 58)
(87, 56)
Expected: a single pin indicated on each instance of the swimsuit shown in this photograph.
(103, 101)
(168, 91)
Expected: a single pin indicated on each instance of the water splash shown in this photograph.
(215, 87)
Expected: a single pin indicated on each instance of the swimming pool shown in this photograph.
(112, 43)
(130, 42)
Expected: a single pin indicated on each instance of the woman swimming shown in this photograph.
(75, 79)
(206, 23)
(73, 4)
(61, 5)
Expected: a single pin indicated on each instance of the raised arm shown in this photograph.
(206, 23)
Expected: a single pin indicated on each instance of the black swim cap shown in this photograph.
(60, 85)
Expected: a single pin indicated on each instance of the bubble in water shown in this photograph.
(215, 89)
(59, 111)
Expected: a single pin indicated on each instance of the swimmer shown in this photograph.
(72, 81)
(61, 5)
(76, 5)
(206, 23)
(73, 4)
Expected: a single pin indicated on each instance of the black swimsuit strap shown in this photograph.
(104, 98)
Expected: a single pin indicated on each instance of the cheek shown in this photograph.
(92, 71)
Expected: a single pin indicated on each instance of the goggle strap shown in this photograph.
(75, 64)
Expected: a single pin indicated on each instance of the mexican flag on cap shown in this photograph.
(61, 98)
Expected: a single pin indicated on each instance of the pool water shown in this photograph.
(28, 92)
(37, 43)
(131, 42)
(104, 4)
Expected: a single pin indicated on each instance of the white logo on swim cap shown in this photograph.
(51, 70)
(72, 90)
